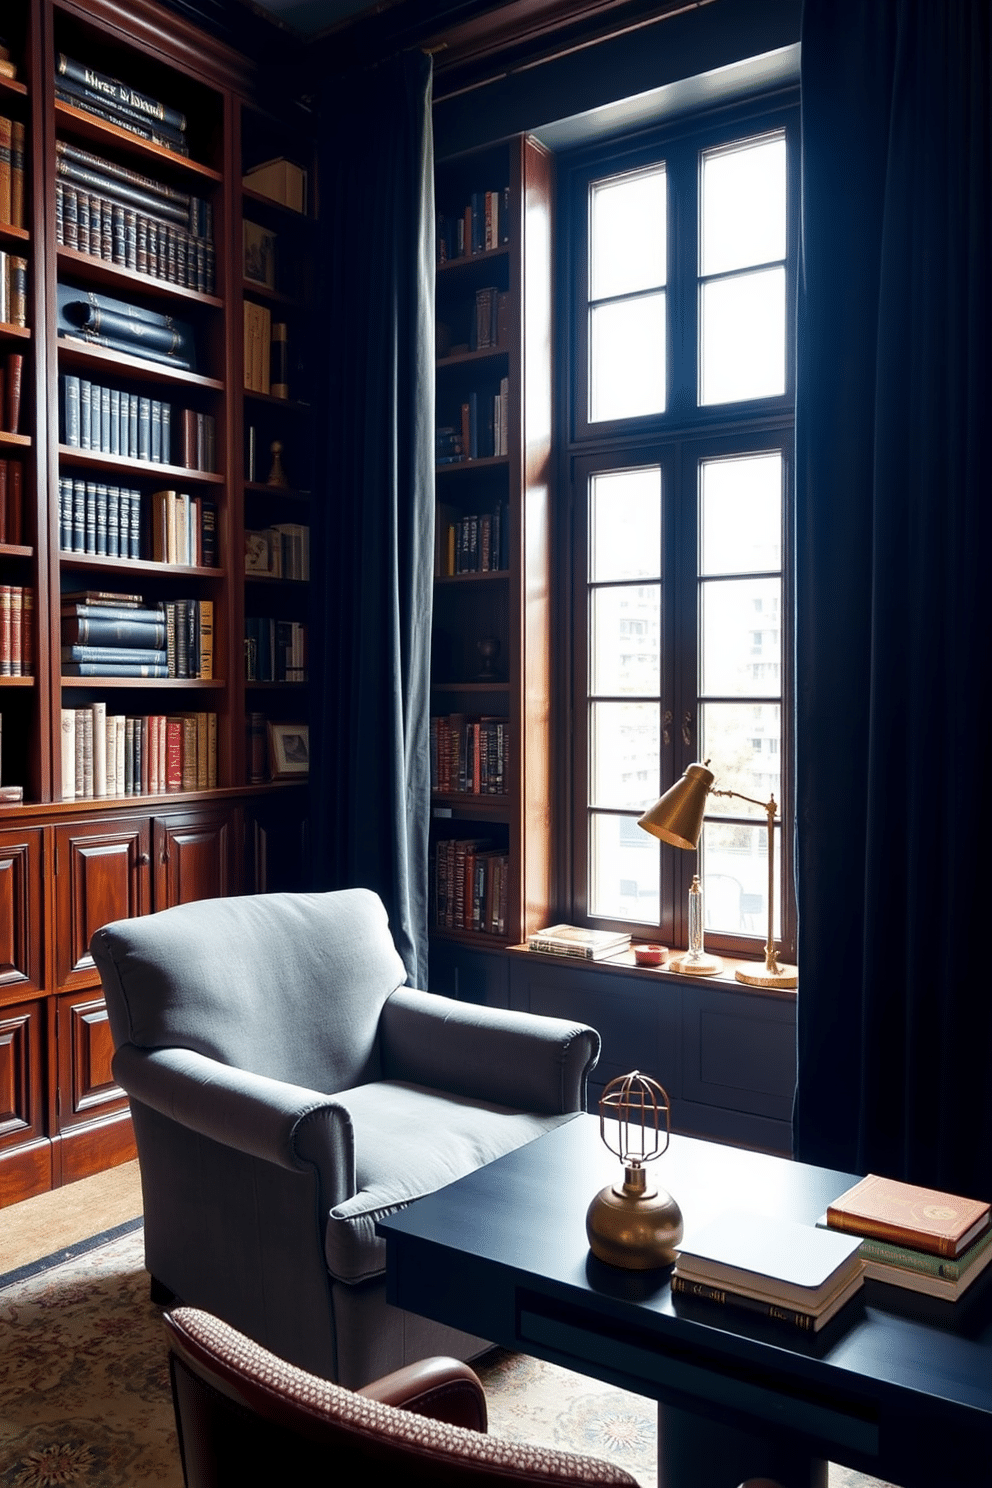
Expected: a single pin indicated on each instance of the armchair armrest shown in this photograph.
(442, 1388)
(522, 1060)
(268, 1119)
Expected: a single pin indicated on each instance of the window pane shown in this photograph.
(741, 640)
(625, 525)
(742, 345)
(627, 358)
(743, 206)
(624, 754)
(742, 742)
(623, 870)
(734, 871)
(741, 515)
(625, 640)
(627, 248)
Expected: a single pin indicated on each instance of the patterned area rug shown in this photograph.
(84, 1388)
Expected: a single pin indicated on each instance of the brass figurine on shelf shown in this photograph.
(276, 475)
(634, 1225)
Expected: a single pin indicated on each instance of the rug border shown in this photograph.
(69, 1253)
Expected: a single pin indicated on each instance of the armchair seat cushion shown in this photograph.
(410, 1141)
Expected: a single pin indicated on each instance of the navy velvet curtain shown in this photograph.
(894, 542)
(374, 499)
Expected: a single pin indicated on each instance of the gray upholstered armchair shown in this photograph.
(287, 1090)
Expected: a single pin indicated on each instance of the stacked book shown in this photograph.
(13, 289)
(11, 171)
(475, 543)
(11, 381)
(16, 631)
(789, 1272)
(123, 755)
(117, 635)
(573, 940)
(919, 1238)
(11, 501)
(99, 320)
(469, 885)
(118, 103)
(110, 212)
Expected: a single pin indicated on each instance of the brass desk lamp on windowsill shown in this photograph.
(678, 818)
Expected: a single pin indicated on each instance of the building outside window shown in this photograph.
(681, 293)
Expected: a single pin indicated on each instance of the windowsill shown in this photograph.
(625, 963)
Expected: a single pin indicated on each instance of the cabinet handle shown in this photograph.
(143, 858)
(687, 728)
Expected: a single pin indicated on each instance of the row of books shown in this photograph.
(577, 941)
(101, 638)
(13, 289)
(117, 325)
(488, 325)
(111, 521)
(11, 501)
(281, 551)
(16, 630)
(11, 171)
(11, 381)
(482, 225)
(118, 103)
(882, 1229)
(116, 422)
(482, 431)
(469, 755)
(275, 650)
(476, 543)
(266, 352)
(119, 754)
(469, 885)
(120, 234)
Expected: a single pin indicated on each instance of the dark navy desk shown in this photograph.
(897, 1384)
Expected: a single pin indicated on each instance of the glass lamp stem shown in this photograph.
(695, 919)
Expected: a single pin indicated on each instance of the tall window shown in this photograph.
(682, 293)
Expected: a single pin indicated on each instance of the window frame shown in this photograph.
(687, 432)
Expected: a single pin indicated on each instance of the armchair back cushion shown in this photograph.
(311, 1020)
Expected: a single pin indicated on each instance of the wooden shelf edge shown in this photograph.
(96, 128)
(71, 454)
(100, 271)
(86, 352)
(69, 559)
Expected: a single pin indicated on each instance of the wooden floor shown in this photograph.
(64, 1216)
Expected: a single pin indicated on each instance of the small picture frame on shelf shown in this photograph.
(289, 750)
(260, 255)
(258, 553)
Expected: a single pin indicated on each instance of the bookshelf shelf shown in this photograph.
(17, 681)
(11, 234)
(15, 550)
(92, 270)
(78, 353)
(167, 684)
(15, 441)
(91, 128)
(15, 332)
(136, 566)
(99, 460)
(12, 87)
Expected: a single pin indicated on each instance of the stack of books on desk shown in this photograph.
(919, 1238)
(574, 940)
(792, 1273)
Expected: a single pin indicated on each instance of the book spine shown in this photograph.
(873, 1229)
(124, 174)
(118, 93)
(682, 1286)
(17, 157)
(120, 192)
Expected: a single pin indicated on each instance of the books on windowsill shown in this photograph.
(573, 940)
(789, 1272)
(905, 1214)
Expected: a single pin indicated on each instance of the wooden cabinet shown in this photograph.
(194, 854)
(725, 1054)
(21, 968)
(102, 873)
(491, 662)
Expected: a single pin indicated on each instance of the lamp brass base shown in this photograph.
(705, 966)
(786, 976)
(635, 1232)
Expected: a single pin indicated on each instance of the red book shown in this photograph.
(12, 391)
(3, 501)
(15, 501)
(173, 754)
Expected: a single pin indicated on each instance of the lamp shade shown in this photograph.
(678, 817)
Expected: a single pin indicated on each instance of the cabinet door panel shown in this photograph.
(193, 855)
(102, 873)
(21, 1094)
(87, 1088)
(20, 911)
